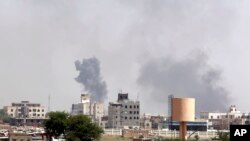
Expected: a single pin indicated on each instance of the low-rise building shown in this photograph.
(94, 109)
(26, 113)
(222, 121)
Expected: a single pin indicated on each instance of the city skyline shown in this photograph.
(150, 49)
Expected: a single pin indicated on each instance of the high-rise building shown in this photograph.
(124, 112)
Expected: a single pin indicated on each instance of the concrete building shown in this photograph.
(26, 113)
(124, 113)
(145, 122)
(221, 121)
(94, 109)
(104, 122)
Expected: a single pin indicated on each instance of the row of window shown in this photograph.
(38, 115)
(130, 112)
(230, 116)
(131, 117)
(34, 110)
(135, 106)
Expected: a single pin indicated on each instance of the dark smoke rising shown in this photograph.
(192, 77)
(90, 77)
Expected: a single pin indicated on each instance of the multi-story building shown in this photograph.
(124, 112)
(26, 113)
(94, 109)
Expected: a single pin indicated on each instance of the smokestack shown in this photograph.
(90, 78)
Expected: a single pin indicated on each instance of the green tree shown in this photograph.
(81, 128)
(4, 116)
(56, 124)
(223, 136)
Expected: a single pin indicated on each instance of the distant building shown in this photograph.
(26, 113)
(145, 122)
(124, 112)
(94, 109)
(197, 125)
(104, 122)
(221, 121)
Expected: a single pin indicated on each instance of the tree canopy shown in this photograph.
(4, 116)
(79, 127)
(56, 124)
(82, 128)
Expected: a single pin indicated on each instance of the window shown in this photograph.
(134, 117)
(211, 117)
(42, 110)
(126, 106)
(134, 106)
(134, 112)
(130, 112)
(130, 106)
(38, 115)
(11, 110)
(42, 114)
(125, 117)
(29, 110)
(138, 106)
(34, 110)
(38, 110)
(137, 117)
(130, 118)
(137, 112)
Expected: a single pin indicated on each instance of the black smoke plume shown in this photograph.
(192, 77)
(90, 77)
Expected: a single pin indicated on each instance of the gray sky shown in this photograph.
(41, 40)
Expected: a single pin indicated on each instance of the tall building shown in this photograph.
(124, 112)
(94, 109)
(26, 113)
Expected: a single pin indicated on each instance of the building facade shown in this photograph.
(94, 109)
(124, 113)
(26, 113)
(222, 121)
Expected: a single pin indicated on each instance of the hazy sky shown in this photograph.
(140, 45)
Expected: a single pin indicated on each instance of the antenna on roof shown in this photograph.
(120, 91)
(137, 98)
(49, 103)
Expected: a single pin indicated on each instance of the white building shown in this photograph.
(25, 109)
(93, 109)
(26, 113)
(223, 120)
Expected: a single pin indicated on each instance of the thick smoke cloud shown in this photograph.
(90, 77)
(192, 77)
